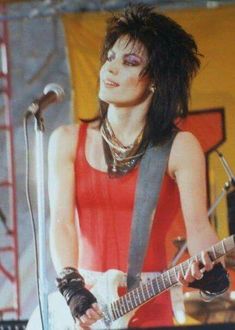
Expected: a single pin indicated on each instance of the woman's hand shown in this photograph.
(194, 272)
(211, 279)
(91, 315)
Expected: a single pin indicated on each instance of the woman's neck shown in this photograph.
(126, 123)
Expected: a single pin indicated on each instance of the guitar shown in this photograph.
(117, 311)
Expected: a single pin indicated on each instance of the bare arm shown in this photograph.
(187, 165)
(63, 237)
(189, 170)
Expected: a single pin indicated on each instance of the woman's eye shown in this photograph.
(131, 63)
(131, 60)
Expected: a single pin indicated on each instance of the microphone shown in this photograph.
(52, 93)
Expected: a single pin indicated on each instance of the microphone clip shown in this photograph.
(33, 108)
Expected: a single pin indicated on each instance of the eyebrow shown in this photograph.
(128, 54)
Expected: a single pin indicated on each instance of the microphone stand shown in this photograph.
(40, 178)
(52, 93)
(227, 187)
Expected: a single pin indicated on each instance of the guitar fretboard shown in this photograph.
(153, 287)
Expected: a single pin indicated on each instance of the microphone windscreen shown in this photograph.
(57, 89)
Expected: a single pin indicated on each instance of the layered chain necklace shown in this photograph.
(119, 158)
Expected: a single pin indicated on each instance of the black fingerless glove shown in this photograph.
(213, 283)
(72, 286)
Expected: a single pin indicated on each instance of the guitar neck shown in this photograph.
(151, 288)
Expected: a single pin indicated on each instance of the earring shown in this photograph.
(152, 88)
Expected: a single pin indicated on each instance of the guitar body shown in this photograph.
(105, 290)
(118, 311)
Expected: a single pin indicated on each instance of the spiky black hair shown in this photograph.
(173, 60)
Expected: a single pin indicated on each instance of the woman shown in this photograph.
(148, 62)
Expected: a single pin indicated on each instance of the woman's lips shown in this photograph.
(110, 83)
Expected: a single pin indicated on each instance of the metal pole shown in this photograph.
(43, 285)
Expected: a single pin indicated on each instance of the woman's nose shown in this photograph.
(113, 67)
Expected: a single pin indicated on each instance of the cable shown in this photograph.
(32, 218)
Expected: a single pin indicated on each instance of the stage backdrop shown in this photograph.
(212, 90)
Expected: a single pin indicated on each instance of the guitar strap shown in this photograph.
(152, 169)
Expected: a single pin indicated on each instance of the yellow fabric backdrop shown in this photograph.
(84, 33)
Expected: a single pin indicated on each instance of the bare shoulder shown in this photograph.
(186, 141)
(63, 141)
(186, 152)
(66, 132)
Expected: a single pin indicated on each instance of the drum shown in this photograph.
(219, 310)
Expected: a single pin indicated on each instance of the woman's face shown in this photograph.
(120, 81)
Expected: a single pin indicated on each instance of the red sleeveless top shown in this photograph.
(105, 207)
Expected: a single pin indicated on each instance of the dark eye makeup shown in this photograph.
(128, 59)
(132, 59)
